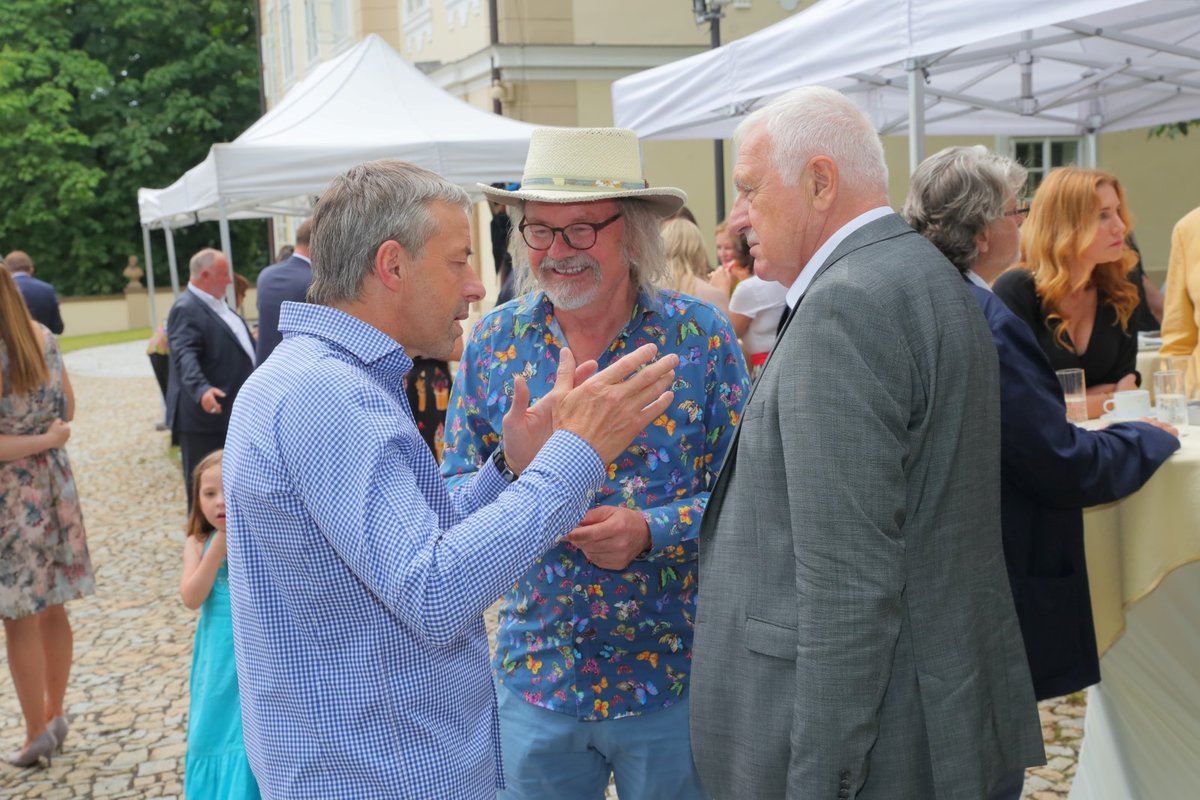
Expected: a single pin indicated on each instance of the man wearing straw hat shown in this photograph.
(594, 647)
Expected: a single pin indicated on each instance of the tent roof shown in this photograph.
(1018, 67)
(366, 104)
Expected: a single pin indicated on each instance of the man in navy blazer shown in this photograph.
(963, 199)
(288, 280)
(39, 295)
(212, 354)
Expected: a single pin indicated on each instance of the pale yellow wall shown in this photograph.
(535, 21)
(1162, 183)
(638, 22)
(84, 315)
(381, 17)
(545, 102)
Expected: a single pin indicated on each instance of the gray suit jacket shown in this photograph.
(855, 632)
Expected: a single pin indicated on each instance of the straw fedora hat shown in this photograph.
(580, 165)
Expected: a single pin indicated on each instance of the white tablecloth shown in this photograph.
(1142, 730)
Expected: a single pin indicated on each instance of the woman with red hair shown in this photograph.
(1072, 286)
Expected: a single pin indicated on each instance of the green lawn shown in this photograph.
(69, 343)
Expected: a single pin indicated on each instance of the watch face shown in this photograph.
(502, 466)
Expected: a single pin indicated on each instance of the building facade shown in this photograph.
(553, 62)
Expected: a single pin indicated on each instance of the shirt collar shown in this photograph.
(209, 300)
(800, 285)
(303, 258)
(978, 281)
(362, 340)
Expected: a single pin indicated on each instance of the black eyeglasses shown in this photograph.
(577, 235)
(1022, 210)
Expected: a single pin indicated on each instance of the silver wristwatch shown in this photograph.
(502, 465)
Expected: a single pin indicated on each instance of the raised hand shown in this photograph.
(614, 405)
(526, 428)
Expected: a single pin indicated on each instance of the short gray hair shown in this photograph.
(365, 207)
(817, 121)
(202, 260)
(641, 245)
(956, 193)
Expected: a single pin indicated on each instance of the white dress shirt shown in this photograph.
(800, 285)
(978, 281)
(228, 316)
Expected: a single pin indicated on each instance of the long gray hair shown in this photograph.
(956, 193)
(365, 207)
(641, 245)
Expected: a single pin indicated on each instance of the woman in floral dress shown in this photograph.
(43, 553)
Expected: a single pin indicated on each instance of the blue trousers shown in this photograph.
(550, 756)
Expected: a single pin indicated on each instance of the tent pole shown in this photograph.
(227, 249)
(916, 114)
(149, 276)
(1090, 144)
(171, 260)
(714, 29)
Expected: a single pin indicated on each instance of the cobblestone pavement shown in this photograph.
(128, 695)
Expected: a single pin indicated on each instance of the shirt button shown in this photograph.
(578, 640)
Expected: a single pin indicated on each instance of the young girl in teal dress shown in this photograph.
(216, 754)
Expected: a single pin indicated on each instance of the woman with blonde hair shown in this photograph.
(688, 263)
(43, 553)
(1072, 286)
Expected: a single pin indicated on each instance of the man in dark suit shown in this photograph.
(963, 199)
(287, 280)
(212, 354)
(39, 295)
(855, 632)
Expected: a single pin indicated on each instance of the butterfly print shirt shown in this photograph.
(576, 638)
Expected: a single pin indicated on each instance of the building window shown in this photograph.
(270, 63)
(285, 22)
(341, 21)
(311, 41)
(1039, 156)
(418, 25)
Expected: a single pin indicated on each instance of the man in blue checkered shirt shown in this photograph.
(357, 580)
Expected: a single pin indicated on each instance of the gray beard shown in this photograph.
(570, 300)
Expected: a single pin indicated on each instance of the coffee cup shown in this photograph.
(1129, 404)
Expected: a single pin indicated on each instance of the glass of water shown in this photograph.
(1171, 397)
(1074, 393)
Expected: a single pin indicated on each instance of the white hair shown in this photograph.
(816, 121)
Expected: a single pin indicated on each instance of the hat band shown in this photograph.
(584, 184)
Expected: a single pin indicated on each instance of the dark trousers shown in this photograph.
(162, 370)
(193, 447)
(1010, 787)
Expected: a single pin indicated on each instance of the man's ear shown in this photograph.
(982, 242)
(391, 265)
(823, 178)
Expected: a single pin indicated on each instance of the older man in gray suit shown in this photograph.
(855, 633)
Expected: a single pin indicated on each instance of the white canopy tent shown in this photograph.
(1010, 67)
(366, 104)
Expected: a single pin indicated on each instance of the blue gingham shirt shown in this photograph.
(358, 581)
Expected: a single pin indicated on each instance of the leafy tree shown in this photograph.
(99, 97)
(1173, 129)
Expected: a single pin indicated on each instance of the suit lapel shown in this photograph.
(880, 230)
(215, 318)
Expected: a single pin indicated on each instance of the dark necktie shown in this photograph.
(783, 318)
